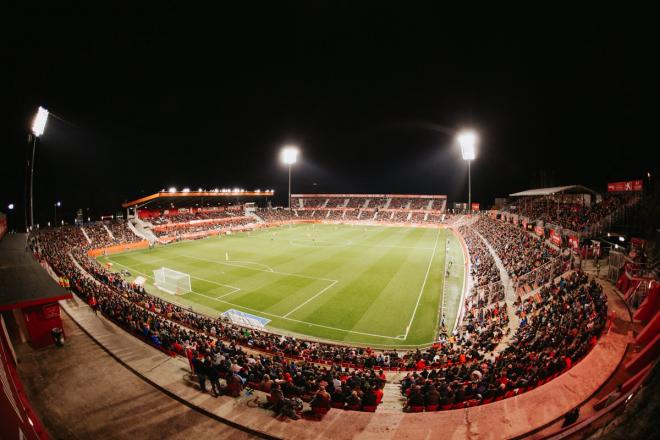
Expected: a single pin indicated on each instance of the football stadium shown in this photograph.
(420, 280)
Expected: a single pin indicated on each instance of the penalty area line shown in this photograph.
(272, 314)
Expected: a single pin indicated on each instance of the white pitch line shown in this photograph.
(270, 314)
(421, 291)
(258, 270)
(312, 298)
(236, 289)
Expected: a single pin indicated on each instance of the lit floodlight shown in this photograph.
(39, 123)
(622, 239)
(215, 190)
(289, 155)
(468, 142)
(186, 190)
(58, 204)
(235, 190)
(11, 206)
(172, 189)
(257, 190)
(200, 190)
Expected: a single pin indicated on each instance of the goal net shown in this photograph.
(172, 281)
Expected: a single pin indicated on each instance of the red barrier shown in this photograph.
(17, 418)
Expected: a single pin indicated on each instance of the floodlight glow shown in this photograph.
(468, 142)
(257, 190)
(289, 155)
(215, 190)
(235, 190)
(58, 204)
(172, 189)
(200, 190)
(622, 239)
(39, 123)
(186, 190)
(11, 206)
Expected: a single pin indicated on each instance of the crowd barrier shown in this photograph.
(118, 248)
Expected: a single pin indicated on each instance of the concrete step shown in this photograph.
(393, 401)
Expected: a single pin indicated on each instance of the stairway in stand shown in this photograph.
(393, 401)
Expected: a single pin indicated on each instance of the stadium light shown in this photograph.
(39, 122)
(10, 206)
(186, 190)
(38, 127)
(289, 156)
(172, 189)
(468, 142)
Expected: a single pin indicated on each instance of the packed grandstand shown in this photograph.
(528, 317)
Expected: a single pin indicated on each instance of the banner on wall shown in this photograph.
(475, 207)
(630, 185)
(3, 225)
(555, 237)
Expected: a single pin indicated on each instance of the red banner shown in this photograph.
(573, 241)
(630, 185)
(555, 237)
(3, 225)
(539, 231)
(475, 207)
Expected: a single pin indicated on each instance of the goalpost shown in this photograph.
(172, 281)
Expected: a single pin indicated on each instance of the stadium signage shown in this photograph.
(475, 207)
(630, 185)
(555, 237)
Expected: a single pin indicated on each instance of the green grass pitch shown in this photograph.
(368, 285)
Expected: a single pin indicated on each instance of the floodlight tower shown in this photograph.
(468, 142)
(289, 155)
(56, 205)
(38, 127)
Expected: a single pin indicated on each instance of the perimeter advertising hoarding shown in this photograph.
(630, 185)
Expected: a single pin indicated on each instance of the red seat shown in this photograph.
(472, 403)
(459, 405)
(487, 400)
(416, 409)
(353, 407)
(446, 407)
(510, 393)
(432, 407)
(369, 408)
(339, 405)
(498, 398)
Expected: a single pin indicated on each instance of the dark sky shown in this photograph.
(153, 97)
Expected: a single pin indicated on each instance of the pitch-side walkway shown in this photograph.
(508, 418)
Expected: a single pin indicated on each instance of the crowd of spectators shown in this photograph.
(577, 217)
(554, 334)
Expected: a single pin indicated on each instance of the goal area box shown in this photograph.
(172, 281)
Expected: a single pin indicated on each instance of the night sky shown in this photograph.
(155, 97)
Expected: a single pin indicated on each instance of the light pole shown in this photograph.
(38, 127)
(468, 142)
(56, 205)
(289, 155)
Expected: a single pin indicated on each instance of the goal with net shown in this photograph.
(172, 281)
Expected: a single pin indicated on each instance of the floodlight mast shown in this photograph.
(289, 155)
(38, 127)
(468, 142)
